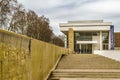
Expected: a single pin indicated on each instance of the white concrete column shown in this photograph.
(65, 41)
(100, 40)
(80, 47)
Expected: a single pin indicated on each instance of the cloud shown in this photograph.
(63, 10)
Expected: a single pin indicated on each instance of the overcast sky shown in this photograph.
(64, 10)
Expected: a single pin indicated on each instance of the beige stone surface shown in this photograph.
(22, 60)
(86, 67)
(44, 57)
(71, 40)
(14, 56)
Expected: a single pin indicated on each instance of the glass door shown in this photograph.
(86, 48)
(89, 50)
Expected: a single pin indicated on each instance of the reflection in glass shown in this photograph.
(105, 40)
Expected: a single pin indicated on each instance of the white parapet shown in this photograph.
(85, 24)
(113, 54)
(86, 28)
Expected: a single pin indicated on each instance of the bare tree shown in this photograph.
(32, 24)
(5, 12)
(38, 27)
(57, 41)
(18, 20)
(29, 23)
(45, 29)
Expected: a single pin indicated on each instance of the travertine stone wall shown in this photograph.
(0, 70)
(44, 57)
(23, 58)
(15, 60)
(71, 40)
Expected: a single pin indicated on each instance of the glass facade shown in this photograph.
(89, 36)
(84, 36)
(105, 40)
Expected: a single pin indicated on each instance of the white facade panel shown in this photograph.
(92, 28)
(96, 46)
(113, 54)
(85, 24)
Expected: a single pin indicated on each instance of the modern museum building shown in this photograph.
(88, 35)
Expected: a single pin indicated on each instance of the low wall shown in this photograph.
(23, 58)
(14, 56)
(44, 57)
(117, 48)
(113, 54)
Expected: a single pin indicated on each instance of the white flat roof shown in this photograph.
(84, 24)
(87, 28)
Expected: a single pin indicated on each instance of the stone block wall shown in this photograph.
(23, 58)
(15, 63)
(44, 57)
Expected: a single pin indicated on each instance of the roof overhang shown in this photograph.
(87, 28)
(84, 24)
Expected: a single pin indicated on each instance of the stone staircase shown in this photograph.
(86, 67)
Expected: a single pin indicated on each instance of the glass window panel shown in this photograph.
(105, 36)
(83, 36)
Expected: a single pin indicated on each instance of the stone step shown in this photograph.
(87, 61)
(89, 78)
(86, 70)
(94, 78)
(85, 79)
(86, 67)
(75, 73)
(87, 74)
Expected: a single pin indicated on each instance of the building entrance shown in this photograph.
(85, 48)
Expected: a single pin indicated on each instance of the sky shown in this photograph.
(61, 11)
